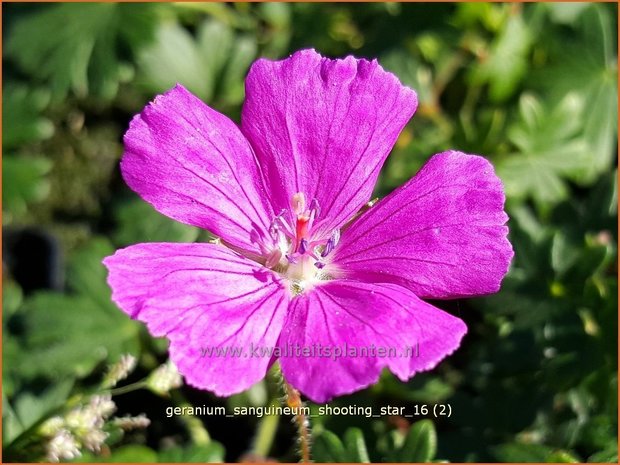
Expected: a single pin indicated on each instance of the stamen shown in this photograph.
(279, 229)
(274, 231)
(312, 252)
(331, 243)
(314, 207)
(282, 225)
(328, 248)
(273, 258)
(293, 251)
(336, 237)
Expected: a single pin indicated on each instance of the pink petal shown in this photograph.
(323, 127)
(201, 296)
(442, 234)
(361, 315)
(194, 165)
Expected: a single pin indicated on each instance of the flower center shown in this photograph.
(296, 253)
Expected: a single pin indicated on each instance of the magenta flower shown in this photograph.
(296, 267)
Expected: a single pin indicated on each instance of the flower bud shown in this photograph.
(164, 378)
(120, 370)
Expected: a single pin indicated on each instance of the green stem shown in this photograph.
(194, 426)
(128, 388)
(266, 432)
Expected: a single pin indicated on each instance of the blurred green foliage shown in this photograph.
(531, 86)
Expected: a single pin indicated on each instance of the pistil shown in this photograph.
(295, 253)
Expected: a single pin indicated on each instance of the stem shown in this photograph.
(128, 388)
(266, 433)
(195, 428)
(293, 400)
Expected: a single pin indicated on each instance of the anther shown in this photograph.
(331, 243)
(315, 207)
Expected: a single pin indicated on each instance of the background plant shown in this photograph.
(532, 87)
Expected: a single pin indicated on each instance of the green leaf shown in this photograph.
(76, 46)
(12, 298)
(420, 444)
(422, 389)
(209, 453)
(214, 58)
(11, 353)
(129, 453)
(520, 452)
(68, 335)
(562, 456)
(214, 40)
(138, 221)
(596, 27)
(506, 64)
(244, 51)
(600, 87)
(356, 446)
(601, 123)
(609, 455)
(587, 65)
(412, 73)
(566, 12)
(549, 150)
(21, 115)
(278, 17)
(256, 396)
(174, 57)
(328, 448)
(276, 14)
(602, 203)
(11, 425)
(29, 407)
(564, 253)
(492, 16)
(24, 180)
